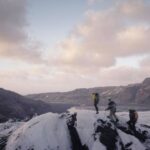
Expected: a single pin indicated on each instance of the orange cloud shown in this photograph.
(106, 35)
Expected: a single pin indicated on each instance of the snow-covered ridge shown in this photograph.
(50, 132)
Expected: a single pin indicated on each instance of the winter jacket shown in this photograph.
(112, 106)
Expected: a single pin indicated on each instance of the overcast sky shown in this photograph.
(61, 45)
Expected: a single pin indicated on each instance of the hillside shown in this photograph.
(95, 132)
(131, 94)
(15, 106)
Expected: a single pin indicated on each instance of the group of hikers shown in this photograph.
(72, 122)
(112, 107)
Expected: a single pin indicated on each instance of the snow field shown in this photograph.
(50, 132)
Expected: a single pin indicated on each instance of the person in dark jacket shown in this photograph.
(112, 108)
(95, 97)
(133, 116)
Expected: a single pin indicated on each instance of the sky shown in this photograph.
(61, 45)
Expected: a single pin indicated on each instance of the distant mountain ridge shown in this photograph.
(131, 94)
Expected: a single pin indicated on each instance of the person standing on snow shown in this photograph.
(95, 97)
(112, 108)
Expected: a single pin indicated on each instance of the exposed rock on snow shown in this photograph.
(6, 130)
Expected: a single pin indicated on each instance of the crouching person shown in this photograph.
(133, 116)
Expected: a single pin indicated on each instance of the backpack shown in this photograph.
(97, 97)
(133, 115)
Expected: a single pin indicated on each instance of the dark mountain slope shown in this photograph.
(13, 105)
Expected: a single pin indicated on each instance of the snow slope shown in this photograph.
(43, 132)
(50, 132)
(9, 127)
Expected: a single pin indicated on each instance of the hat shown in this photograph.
(131, 110)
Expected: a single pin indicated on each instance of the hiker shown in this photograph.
(112, 108)
(95, 97)
(133, 116)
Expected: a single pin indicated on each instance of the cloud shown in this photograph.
(134, 40)
(90, 2)
(145, 63)
(14, 41)
(123, 75)
(135, 9)
(40, 79)
(119, 31)
(86, 58)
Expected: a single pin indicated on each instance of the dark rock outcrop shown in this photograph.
(108, 133)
